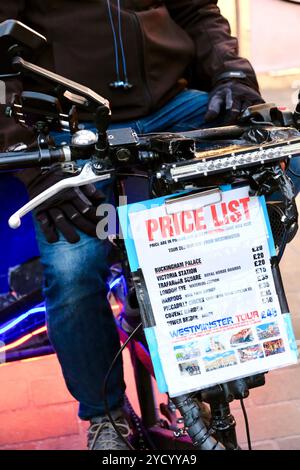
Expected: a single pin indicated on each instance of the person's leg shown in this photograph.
(184, 112)
(80, 323)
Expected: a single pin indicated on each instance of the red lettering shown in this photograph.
(165, 226)
(176, 224)
(245, 201)
(217, 222)
(199, 219)
(152, 226)
(188, 221)
(225, 213)
(215, 216)
(247, 316)
(186, 228)
(236, 216)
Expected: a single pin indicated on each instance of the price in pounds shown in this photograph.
(271, 312)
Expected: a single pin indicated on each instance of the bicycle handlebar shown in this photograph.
(172, 156)
(118, 140)
(40, 158)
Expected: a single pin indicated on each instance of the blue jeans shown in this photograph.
(80, 324)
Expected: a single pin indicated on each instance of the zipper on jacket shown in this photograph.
(142, 58)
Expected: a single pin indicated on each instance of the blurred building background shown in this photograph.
(268, 33)
(36, 411)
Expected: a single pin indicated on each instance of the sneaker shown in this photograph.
(102, 435)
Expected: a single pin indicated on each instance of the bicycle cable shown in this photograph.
(106, 404)
(133, 175)
(246, 424)
(283, 245)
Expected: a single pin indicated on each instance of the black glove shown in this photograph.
(231, 97)
(72, 208)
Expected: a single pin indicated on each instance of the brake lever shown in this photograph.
(86, 176)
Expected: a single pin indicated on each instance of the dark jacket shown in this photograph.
(163, 43)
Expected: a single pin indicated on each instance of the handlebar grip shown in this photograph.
(18, 160)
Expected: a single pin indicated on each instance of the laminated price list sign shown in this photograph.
(208, 274)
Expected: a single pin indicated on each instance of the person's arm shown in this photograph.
(216, 49)
(230, 78)
(10, 132)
